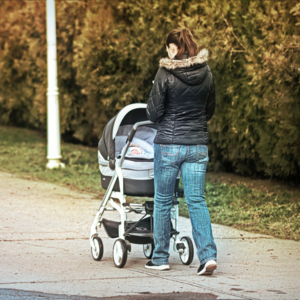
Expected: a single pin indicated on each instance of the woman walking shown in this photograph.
(182, 101)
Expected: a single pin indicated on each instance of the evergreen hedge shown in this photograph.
(108, 54)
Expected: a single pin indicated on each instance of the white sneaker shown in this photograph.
(207, 268)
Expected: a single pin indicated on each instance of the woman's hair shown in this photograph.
(184, 41)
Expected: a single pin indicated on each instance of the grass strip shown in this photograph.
(23, 152)
(276, 214)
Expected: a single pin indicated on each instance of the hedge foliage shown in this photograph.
(108, 53)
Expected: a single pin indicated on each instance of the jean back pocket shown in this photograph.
(202, 153)
(169, 153)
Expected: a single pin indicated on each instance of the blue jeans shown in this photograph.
(192, 161)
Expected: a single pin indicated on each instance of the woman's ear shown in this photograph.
(172, 50)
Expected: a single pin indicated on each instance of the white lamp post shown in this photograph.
(53, 129)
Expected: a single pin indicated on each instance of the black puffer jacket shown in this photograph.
(182, 100)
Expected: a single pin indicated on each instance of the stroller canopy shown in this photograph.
(129, 115)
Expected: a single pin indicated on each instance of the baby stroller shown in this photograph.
(125, 156)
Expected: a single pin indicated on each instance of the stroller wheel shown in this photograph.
(97, 252)
(187, 255)
(120, 253)
(148, 250)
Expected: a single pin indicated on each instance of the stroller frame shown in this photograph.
(122, 246)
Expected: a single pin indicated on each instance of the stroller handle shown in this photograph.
(135, 127)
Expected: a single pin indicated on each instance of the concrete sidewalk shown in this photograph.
(45, 253)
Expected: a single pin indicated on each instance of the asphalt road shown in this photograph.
(11, 294)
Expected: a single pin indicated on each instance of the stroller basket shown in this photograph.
(140, 234)
(112, 227)
(142, 231)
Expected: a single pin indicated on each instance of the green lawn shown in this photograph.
(277, 213)
(24, 152)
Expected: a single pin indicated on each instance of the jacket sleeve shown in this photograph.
(156, 103)
(211, 102)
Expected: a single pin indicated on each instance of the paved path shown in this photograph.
(45, 254)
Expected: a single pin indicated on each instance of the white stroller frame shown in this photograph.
(183, 246)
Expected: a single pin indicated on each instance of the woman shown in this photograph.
(182, 101)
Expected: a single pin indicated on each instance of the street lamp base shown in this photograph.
(55, 164)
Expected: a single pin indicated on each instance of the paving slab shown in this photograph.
(45, 254)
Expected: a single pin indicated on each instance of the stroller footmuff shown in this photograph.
(125, 157)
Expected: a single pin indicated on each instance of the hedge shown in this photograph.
(108, 54)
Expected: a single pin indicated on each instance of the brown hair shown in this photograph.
(184, 41)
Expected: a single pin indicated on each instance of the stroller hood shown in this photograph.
(129, 115)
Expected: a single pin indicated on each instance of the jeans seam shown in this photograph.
(187, 153)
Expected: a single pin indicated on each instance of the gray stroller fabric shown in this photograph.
(129, 173)
(142, 168)
(129, 115)
(145, 133)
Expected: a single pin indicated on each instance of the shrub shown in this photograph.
(108, 54)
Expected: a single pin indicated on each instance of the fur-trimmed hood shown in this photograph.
(192, 70)
(169, 64)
